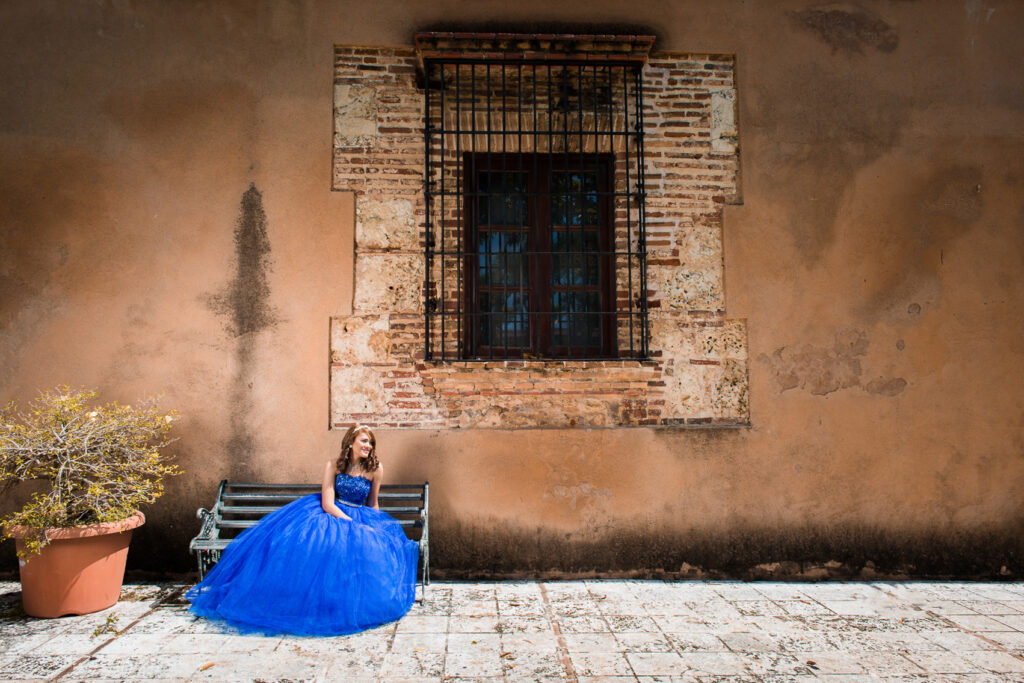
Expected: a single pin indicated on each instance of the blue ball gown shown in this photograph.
(303, 571)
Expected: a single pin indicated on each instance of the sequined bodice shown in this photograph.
(351, 490)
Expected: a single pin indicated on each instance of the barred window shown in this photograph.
(535, 210)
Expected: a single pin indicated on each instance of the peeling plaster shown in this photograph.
(578, 493)
(823, 370)
(848, 28)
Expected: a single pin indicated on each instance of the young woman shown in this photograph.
(329, 563)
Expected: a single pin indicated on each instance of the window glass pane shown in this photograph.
(579, 270)
(503, 319)
(502, 198)
(577, 321)
(574, 240)
(500, 260)
(574, 261)
(574, 198)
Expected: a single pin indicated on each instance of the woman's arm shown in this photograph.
(378, 477)
(327, 494)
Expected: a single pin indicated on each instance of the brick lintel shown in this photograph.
(542, 46)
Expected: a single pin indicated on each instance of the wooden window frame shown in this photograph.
(540, 169)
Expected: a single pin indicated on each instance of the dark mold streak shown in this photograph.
(246, 300)
(815, 552)
(246, 303)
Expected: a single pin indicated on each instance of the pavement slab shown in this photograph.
(592, 631)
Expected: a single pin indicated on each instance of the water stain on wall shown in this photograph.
(820, 141)
(848, 28)
(946, 205)
(245, 302)
(52, 193)
(186, 117)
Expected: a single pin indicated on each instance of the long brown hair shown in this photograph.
(370, 462)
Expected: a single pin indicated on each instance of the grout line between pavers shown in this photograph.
(563, 647)
(447, 636)
(671, 641)
(156, 604)
(391, 644)
(902, 653)
(942, 618)
(611, 629)
(831, 612)
(501, 645)
(962, 629)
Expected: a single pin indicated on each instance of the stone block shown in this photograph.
(724, 134)
(686, 390)
(686, 289)
(359, 339)
(700, 244)
(356, 389)
(385, 224)
(672, 334)
(388, 283)
(728, 389)
(696, 285)
(727, 340)
(355, 115)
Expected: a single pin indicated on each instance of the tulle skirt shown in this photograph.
(302, 571)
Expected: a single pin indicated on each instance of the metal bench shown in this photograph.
(240, 506)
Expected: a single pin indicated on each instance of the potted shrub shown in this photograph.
(93, 467)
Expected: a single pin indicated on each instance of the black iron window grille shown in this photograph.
(534, 210)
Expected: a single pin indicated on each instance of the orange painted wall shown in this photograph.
(881, 235)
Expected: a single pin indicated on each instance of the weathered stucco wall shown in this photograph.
(167, 225)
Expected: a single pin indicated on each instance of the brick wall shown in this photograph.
(697, 375)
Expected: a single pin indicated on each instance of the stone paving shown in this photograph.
(557, 631)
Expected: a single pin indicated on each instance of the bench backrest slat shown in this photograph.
(240, 506)
(246, 523)
(262, 510)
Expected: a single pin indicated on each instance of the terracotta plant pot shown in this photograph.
(80, 571)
